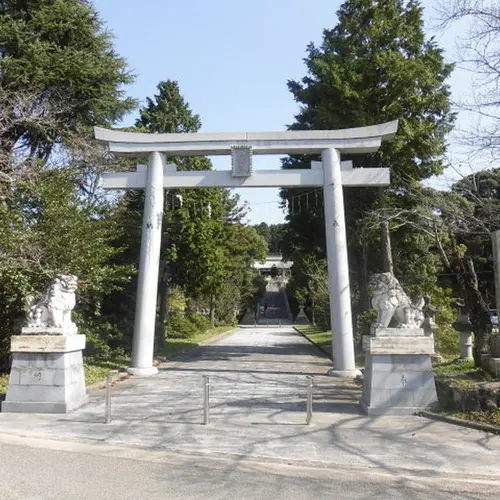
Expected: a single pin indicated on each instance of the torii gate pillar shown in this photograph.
(338, 267)
(145, 307)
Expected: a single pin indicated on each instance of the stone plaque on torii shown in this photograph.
(330, 173)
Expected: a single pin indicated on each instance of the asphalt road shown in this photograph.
(39, 469)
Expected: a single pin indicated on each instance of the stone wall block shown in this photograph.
(38, 361)
(15, 375)
(425, 397)
(35, 394)
(402, 398)
(384, 362)
(34, 376)
(23, 359)
(379, 397)
(55, 360)
(60, 377)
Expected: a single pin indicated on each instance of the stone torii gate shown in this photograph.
(330, 173)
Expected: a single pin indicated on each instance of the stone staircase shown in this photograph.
(277, 310)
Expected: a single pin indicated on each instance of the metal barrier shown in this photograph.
(109, 383)
(309, 406)
(206, 399)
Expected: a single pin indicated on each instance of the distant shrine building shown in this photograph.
(275, 266)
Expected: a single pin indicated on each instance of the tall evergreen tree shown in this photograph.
(60, 50)
(375, 65)
(59, 76)
(168, 112)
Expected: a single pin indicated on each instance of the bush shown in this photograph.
(447, 340)
(180, 326)
(364, 322)
(322, 312)
(104, 340)
(201, 322)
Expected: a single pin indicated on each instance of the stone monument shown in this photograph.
(47, 373)
(301, 318)
(463, 325)
(398, 375)
(249, 318)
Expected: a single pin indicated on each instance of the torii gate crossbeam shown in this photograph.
(330, 173)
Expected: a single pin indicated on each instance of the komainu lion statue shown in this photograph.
(390, 301)
(54, 308)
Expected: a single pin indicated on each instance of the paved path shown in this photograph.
(257, 410)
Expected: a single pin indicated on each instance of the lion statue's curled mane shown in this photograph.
(390, 301)
(54, 308)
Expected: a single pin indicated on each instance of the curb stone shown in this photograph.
(494, 429)
(323, 350)
(117, 377)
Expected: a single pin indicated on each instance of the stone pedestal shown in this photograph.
(47, 374)
(398, 377)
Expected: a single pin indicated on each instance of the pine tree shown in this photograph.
(374, 66)
(60, 50)
(168, 112)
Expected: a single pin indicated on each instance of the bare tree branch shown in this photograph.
(479, 52)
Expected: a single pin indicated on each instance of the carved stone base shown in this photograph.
(398, 378)
(47, 374)
(143, 372)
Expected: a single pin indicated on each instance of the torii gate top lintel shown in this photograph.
(349, 140)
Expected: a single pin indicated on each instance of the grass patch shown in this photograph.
(454, 368)
(96, 370)
(317, 336)
(323, 339)
(4, 383)
(462, 373)
(174, 346)
(483, 417)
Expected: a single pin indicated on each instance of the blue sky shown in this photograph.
(232, 61)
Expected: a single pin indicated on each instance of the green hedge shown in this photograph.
(181, 326)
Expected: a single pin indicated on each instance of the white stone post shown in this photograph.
(338, 267)
(147, 286)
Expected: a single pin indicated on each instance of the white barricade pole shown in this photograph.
(206, 399)
(309, 407)
(109, 383)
